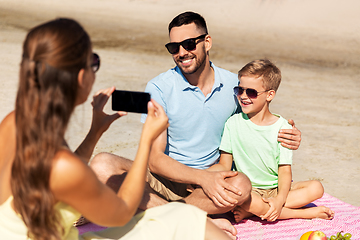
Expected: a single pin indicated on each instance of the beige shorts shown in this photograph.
(266, 193)
(169, 190)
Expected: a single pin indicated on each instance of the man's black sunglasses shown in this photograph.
(187, 44)
(95, 65)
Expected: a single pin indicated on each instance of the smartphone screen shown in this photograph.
(130, 101)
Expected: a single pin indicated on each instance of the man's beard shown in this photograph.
(199, 62)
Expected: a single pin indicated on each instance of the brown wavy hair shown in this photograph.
(53, 54)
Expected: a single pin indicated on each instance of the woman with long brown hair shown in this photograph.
(44, 187)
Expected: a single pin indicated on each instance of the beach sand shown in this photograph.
(315, 43)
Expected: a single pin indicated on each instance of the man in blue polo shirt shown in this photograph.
(194, 132)
(198, 99)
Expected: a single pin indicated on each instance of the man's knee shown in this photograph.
(241, 182)
(99, 159)
(106, 165)
(108, 161)
(110, 169)
(102, 166)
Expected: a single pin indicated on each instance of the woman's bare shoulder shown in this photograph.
(70, 176)
(68, 171)
(7, 139)
(8, 123)
(7, 150)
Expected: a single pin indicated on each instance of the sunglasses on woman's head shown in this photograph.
(95, 65)
(187, 44)
(250, 92)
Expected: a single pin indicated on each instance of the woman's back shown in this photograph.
(12, 227)
(11, 224)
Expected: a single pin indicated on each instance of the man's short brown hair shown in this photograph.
(186, 18)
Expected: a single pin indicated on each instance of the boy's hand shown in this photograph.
(290, 138)
(275, 209)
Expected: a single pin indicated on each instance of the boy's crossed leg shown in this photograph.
(301, 194)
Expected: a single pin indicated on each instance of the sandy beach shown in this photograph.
(316, 44)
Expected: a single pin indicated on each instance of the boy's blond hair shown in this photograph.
(271, 75)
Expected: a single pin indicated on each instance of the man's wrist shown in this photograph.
(199, 176)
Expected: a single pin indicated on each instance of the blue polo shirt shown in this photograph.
(196, 121)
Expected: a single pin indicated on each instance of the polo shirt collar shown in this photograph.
(186, 85)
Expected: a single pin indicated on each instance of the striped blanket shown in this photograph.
(347, 219)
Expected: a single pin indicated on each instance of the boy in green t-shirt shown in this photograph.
(250, 140)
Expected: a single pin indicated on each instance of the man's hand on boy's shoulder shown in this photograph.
(290, 138)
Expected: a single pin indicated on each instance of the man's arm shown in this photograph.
(290, 138)
(163, 165)
(212, 183)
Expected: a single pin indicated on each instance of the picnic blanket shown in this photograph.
(347, 219)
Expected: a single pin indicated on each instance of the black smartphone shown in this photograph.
(130, 101)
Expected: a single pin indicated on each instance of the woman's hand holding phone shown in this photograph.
(101, 120)
(156, 121)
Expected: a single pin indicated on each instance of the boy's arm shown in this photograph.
(225, 163)
(284, 185)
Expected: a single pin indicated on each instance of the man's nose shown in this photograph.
(182, 51)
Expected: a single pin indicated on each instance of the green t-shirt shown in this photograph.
(255, 149)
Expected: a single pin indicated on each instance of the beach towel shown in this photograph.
(347, 219)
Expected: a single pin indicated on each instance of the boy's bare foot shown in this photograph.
(226, 226)
(240, 214)
(324, 213)
(308, 213)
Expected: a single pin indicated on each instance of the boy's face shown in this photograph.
(252, 102)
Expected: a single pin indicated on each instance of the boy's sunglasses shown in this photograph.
(95, 65)
(187, 44)
(251, 93)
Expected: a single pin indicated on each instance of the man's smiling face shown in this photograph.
(188, 61)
